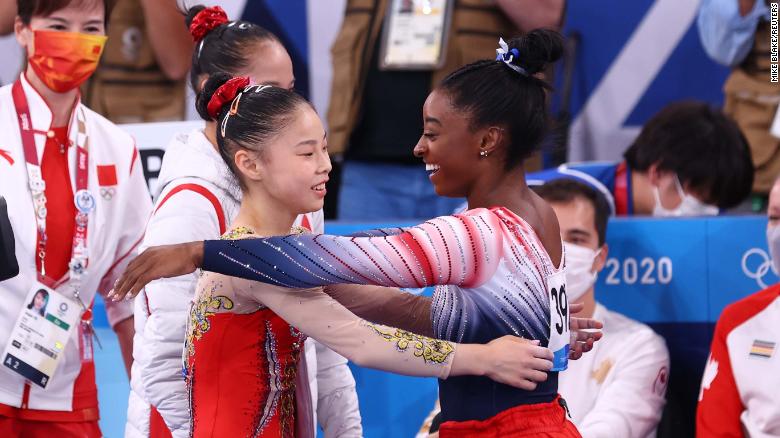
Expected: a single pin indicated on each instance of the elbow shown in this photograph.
(175, 71)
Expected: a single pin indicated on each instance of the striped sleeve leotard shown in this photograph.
(492, 273)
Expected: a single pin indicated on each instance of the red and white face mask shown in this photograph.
(64, 60)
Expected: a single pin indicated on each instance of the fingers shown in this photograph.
(523, 384)
(585, 323)
(575, 308)
(542, 353)
(541, 364)
(536, 376)
(583, 336)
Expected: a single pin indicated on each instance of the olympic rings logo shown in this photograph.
(107, 193)
(762, 268)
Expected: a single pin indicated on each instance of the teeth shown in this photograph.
(319, 187)
(431, 167)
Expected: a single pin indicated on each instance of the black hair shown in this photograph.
(494, 94)
(45, 294)
(26, 9)
(702, 146)
(261, 113)
(225, 49)
(565, 190)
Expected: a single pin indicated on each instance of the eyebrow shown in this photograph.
(64, 21)
(578, 232)
(432, 120)
(312, 142)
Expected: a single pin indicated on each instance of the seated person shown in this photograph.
(739, 390)
(618, 390)
(689, 160)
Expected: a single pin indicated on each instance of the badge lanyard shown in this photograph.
(84, 200)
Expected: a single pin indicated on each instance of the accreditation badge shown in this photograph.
(415, 34)
(43, 328)
(559, 320)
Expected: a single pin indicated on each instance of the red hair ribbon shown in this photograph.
(207, 20)
(225, 94)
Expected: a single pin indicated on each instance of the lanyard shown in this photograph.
(84, 201)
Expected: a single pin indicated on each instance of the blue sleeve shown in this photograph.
(726, 36)
(445, 250)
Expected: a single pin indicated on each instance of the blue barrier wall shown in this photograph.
(676, 275)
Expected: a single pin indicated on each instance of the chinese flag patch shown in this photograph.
(106, 175)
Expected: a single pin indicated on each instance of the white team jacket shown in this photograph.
(618, 389)
(195, 188)
(115, 228)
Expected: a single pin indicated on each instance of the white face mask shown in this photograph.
(579, 274)
(773, 242)
(690, 206)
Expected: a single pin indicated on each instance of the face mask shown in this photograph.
(773, 242)
(579, 275)
(690, 206)
(64, 60)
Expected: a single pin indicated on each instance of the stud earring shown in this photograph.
(483, 153)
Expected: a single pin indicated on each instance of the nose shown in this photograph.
(420, 148)
(324, 165)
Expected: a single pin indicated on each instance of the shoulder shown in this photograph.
(738, 312)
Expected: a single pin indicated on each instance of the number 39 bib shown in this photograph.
(559, 320)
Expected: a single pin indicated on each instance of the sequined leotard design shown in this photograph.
(490, 266)
(243, 345)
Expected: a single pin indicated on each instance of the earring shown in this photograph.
(483, 153)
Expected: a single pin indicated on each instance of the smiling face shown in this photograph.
(449, 148)
(292, 169)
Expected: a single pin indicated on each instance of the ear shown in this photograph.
(601, 259)
(491, 139)
(248, 165)
(654, 175)
(202, 82)
(24, 35)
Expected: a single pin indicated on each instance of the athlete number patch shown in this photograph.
(559, 321)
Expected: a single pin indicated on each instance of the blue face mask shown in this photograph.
(726, 35)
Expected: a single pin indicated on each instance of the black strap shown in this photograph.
(9, 267)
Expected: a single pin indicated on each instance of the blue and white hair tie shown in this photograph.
(505, 55)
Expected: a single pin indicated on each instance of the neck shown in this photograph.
(589, 300)
(60, 104)
(505, 189)
(265, 217)
(211, 133)
(642, 193)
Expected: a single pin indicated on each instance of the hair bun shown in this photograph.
(537, 49)
(204, 20)
(202, 100)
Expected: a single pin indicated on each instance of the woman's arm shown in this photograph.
(507, 360)
(386, 306)
(460, 250)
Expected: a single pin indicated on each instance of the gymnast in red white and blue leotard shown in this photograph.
(495, 279)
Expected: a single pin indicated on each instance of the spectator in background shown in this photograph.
(141, 77)
(618, 389)
(374, 118)
(736, 33)
(739, 390)
(689, 160)
(7, 15)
